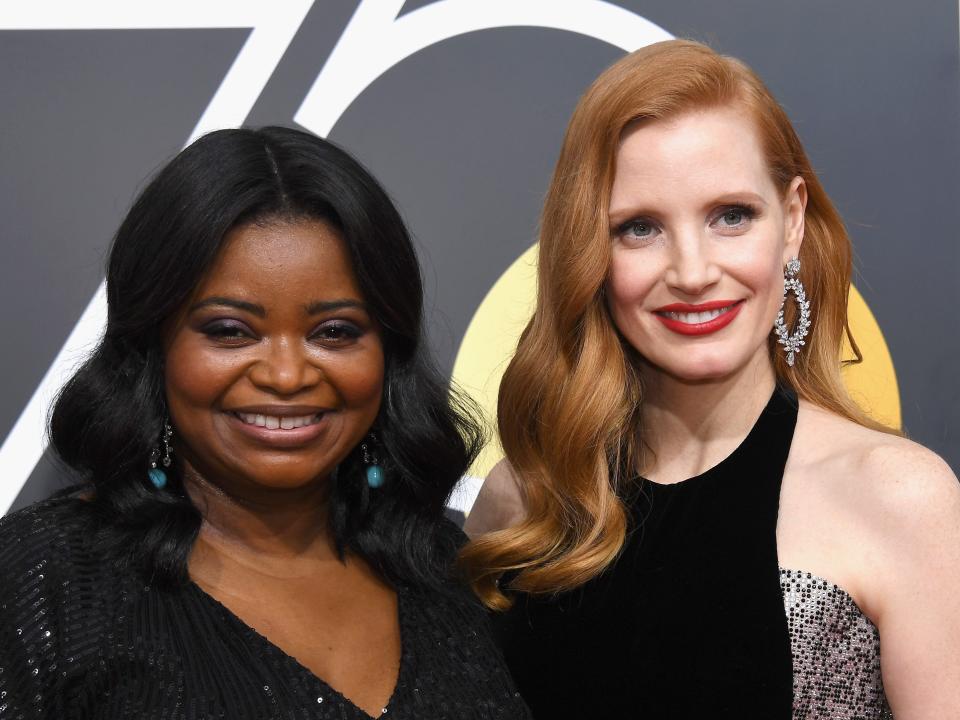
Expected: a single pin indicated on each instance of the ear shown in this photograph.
(794, 211)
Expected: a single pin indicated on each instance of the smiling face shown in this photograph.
(274, 369)
(700, 238)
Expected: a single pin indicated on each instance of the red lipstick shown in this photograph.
(729, 309)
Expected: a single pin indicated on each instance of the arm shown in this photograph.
(917, 519)
(17, 688)
(28, 633)
(499, 504)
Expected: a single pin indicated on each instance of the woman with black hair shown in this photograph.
(266, 453)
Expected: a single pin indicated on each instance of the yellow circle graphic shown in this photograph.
(492, 336)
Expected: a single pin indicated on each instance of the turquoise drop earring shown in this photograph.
(375, 478)
(158, 477)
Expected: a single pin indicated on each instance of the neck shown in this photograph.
(286, 524)
(688, 427)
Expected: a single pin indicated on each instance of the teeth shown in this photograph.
(275, 422)
(697, 318)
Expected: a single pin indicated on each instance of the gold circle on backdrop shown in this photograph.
(492, 336)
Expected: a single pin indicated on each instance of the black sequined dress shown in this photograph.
(696, 619)
(79, 640)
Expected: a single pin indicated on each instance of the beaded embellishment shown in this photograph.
(836, 652)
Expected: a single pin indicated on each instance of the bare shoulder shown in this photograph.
(499, 504)
(860, 506)
(899, 475)
(879, 515)
(884, 499)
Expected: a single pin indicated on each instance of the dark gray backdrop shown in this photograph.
(464, 135)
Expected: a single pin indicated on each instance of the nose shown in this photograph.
(692, 269)
(285, 369)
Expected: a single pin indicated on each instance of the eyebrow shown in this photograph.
(322, 306)
(249, 307)
(314, 308)
(746, 196)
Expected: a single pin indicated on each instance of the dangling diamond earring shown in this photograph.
(375, 476)
(157, 476)
(791, 283)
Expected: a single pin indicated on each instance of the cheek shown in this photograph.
(762, 276)
(197, 377)
(628, 285)
(362, 385)
(359, 379)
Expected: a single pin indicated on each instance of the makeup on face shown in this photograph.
(699, 319)
(698, 235)
(275, 372)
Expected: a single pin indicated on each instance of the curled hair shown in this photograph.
(569, 400)
(109, 416)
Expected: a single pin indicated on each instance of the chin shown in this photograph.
(698, 369)
(278, 477)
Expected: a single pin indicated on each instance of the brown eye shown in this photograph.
(227, 331)
(338, 333)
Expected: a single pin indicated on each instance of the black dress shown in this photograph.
(78, 640)
(696, 619)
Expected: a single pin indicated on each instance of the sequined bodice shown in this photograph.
(81, 640)
(836, 652)
(696, 619)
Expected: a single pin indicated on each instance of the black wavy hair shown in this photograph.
(109, 416)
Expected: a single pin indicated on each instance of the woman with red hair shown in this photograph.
(693, 518)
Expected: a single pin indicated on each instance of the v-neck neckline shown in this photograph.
(304, 674)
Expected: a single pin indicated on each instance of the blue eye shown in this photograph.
(733, 217)
(736, 217)
(637, 230)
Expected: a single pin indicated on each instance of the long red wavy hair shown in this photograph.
(569, 400)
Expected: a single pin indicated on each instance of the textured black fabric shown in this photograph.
(690, 621)
(80, 640)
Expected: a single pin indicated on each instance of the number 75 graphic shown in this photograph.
(376, 38)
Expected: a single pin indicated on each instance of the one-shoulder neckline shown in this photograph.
(831, 586)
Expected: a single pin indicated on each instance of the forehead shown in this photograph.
(695, 156)
(282, 257)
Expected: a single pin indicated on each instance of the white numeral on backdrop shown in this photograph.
(374, 40)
